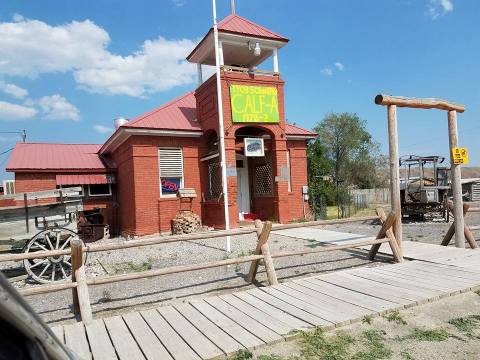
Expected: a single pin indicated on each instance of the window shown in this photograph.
(263, 185)
(170, 163)
(99, 190)
(8, 187)
(214, 180)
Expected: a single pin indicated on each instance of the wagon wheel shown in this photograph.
(53, 268)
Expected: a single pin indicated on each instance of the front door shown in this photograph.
(243, 188)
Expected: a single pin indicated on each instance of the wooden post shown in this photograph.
(394, 172)
(83, 297)
(76, 248)
(25, 204)
(263, 232)
(269, 268)
(456, 182)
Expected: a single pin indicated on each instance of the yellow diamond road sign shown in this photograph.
(460, 155)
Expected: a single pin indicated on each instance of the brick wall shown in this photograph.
(298, 175)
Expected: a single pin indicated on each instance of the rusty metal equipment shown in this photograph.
(425, 186)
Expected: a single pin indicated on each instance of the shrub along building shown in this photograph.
(135, 175)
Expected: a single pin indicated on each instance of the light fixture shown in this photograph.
(256, 48)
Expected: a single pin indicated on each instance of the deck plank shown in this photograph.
(219, 337)
(229, 326)
(76, 340)
(175, 345)
(272, 323)
(197, 341)
(365, 287)
(122, 339)
(102, 348)
(151, 347)
(352, 296)
(272, 311)
(59, 333)
(248, 323)
(290, 309)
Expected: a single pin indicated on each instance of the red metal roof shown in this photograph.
(43, 156)
(293, 130)
(82, 179)
(238, 25)
(179, 114)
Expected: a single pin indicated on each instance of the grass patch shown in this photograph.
(466, 325)
(375, 347)
(405, 355)
(316, 346)
(367, 319)
(428, 335)
(242, 355)
(395, 316)
(132, 266)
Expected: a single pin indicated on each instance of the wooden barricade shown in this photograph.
(79, 283)
(467, 230)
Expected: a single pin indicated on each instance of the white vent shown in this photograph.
(170, 163)
(8, 187)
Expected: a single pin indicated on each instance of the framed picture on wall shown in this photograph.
(254, 147)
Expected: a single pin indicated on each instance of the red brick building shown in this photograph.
(135, 175)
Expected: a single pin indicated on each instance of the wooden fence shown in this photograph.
(79, 282)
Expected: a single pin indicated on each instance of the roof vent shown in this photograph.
(120, 122)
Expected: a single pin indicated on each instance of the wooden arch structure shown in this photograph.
(423, 103)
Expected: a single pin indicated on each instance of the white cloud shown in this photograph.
(339, 66)
(437, 8)
(32, 47)
(56, 107)
(327, 71)
(103, 129)
(178, 3)
(9, 111)
(13, 90)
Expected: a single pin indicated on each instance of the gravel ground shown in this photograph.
(110, 299)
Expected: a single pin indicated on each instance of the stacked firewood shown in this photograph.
(186, 222)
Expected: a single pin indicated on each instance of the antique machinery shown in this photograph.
(424, 187)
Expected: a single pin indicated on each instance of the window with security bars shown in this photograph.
(170, 163)
(214, 181)
(263, 184)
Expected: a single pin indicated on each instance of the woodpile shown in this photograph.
(186, 222)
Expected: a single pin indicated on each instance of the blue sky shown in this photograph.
(68, 68)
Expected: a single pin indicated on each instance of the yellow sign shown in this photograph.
(255, 104)
(460, 155)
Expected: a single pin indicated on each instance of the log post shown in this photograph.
(456, 182)
(76, 248)
(269, 268)
(263, 233)
(386, 231)
(394, 172)
(83, 297)
(25, 204)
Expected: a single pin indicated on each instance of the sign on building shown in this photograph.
(254, 104)
(460, 155)
(254, 147)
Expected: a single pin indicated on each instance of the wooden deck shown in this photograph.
(220, 325)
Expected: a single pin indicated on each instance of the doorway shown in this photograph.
(243, 187)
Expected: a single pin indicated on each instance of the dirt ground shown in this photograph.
(447, 329)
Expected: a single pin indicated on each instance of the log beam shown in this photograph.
(418, 103)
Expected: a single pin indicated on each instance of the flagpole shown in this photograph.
(221, 130)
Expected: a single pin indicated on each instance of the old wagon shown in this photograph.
(55, 215)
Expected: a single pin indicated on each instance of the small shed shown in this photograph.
(471, 189)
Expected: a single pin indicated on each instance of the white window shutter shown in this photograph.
(170, 163)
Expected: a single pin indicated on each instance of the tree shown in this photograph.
(351, 150)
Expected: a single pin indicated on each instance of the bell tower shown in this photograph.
(251, 108)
